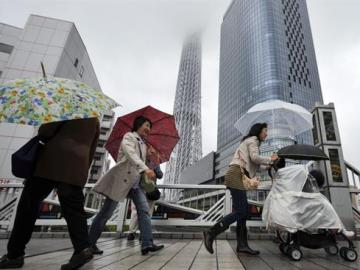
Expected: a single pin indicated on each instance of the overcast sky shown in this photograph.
(135, 48)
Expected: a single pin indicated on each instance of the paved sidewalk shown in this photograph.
(48, 254)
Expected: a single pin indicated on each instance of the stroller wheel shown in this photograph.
(283, 248)
(295, 253)
(348, 254)
(332, 250)
(342, 252)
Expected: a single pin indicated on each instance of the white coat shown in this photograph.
(118, 181)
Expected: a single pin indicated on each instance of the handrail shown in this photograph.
(351, 167)
(160, 186)
(7, 204)
(356, 214)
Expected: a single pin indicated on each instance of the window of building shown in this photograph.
(94, 171)
(335, 165)
(314, 131)
(6, 48)
(329, 126)
(76, 62)
(101, 143)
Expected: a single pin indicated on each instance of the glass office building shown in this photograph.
(266, 53)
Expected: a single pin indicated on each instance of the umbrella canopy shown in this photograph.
(290, 118)
(302, 152)
(35, 101)
(163, 135)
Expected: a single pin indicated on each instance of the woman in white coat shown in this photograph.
(122, 181)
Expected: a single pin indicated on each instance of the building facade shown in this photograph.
(266, 53)
(59, 46)
(187, 112)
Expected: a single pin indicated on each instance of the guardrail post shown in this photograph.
(227, 202)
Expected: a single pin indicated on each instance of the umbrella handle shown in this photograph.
(43, 69)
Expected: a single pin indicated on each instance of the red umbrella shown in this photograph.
(163, 136)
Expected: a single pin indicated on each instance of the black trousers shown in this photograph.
(72, 205)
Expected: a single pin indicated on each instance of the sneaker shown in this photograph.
(131, 237)
(78, 260)
(6, 262)
(96, 250)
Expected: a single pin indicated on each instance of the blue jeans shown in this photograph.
(139, 198)
(240, 208)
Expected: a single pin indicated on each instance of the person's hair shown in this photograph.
(279, 164)
(139, 121)
(319, 177)
(255, 130)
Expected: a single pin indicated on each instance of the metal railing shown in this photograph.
(208, 203)
(354, 186)
(199, 206)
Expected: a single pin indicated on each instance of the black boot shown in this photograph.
(78, 260)
(96, 250)
(6, 262)
(153, 248)
(210, 235)
(242, 243)
(131, 237)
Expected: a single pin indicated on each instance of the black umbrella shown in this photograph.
(302, 152)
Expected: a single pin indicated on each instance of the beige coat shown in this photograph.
(118, 181)
(247, 156)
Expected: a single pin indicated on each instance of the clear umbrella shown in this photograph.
(290, 119)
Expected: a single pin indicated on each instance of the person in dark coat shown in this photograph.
(63, 164)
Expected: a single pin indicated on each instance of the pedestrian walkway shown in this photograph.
(48, 254)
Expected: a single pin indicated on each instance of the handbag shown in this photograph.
(146, 183)
(154, 196)
(236, 178)
(23, 161)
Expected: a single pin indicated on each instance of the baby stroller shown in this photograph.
(303, 218)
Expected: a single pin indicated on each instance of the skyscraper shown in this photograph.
(187, 112)
(266, 53)
(58, 44)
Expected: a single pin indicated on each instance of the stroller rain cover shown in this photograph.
(288, 208)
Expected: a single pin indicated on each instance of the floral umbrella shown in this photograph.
(162, 138)
(35, 101)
